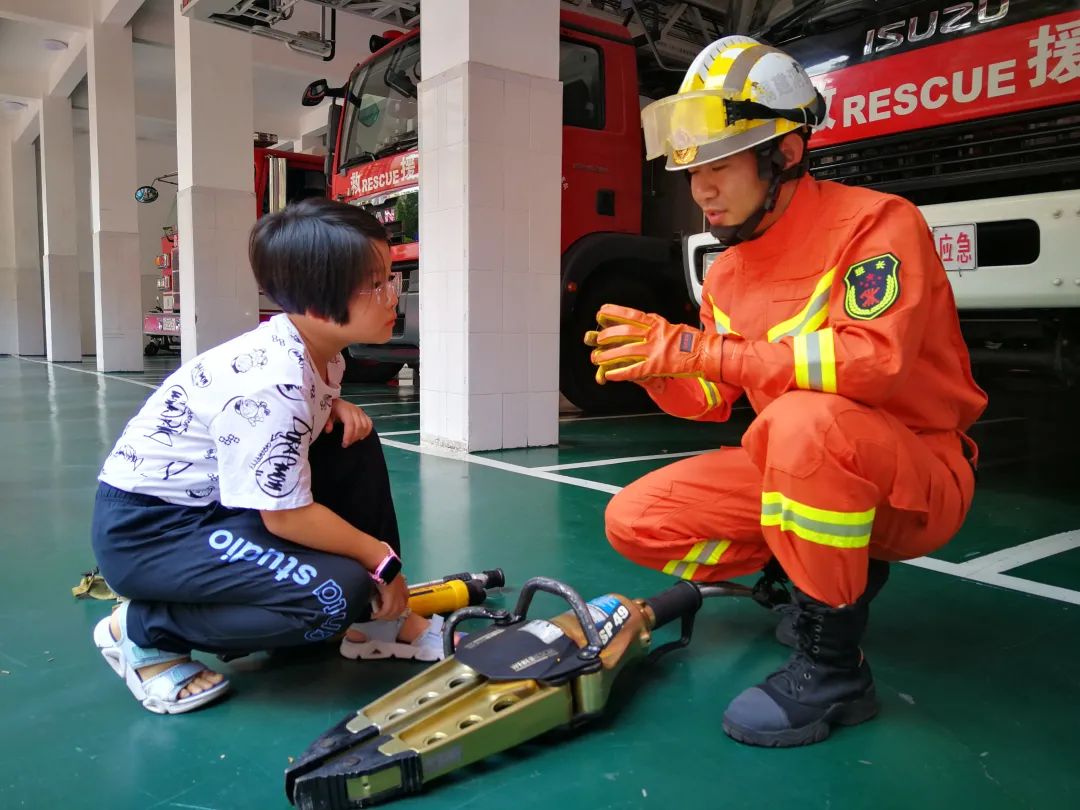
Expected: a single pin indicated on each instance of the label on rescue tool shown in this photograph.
(543, 630)
(537, 648)
(609, 614)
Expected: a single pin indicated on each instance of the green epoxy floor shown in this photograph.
(979, 683)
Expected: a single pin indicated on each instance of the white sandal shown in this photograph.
(158, 693)
(382, 641)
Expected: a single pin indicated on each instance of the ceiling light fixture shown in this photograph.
(54, 44)
(13, 106)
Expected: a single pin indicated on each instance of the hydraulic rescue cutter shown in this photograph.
(453, 592)
(498, 688)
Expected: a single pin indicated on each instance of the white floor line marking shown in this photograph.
(502, 465)
(85, 371)
(1000, 580)
(393, 415)
(399, 433)
(603, 462)
(1023, 554)
(928, 563)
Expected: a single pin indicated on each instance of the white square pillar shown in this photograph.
(63, 339)
(490, 196)
(215, 196)
(115, 222)
(26, 213)
(9, 317)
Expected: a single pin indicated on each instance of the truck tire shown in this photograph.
(577, 374)
(368, 371)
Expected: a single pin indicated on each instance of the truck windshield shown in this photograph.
(383, 109)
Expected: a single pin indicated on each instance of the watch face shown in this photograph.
(390, 570)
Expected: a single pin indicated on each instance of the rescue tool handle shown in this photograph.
(581, 611)
(681, 599)
(458, 616)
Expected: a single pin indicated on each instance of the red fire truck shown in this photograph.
(972, 111)
(280, 177)
(622, 219)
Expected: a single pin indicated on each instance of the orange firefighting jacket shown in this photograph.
(845, 294)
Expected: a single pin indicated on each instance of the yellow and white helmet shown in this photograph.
(738, 93)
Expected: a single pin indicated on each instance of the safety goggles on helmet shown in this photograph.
(680, 123)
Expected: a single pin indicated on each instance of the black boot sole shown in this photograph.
(840, 714)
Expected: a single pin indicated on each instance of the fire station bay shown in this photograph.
(539, 403)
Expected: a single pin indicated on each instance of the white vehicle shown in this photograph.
(972, 111)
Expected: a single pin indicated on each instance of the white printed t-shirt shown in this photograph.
(232, 425)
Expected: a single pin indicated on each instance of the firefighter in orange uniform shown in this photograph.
(830, 310)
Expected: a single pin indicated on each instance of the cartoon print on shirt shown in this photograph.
(172, 450)
(244, 363)
(128, 454)
(200, 377)
(175, 417)
(290, 391)
(167, 471)
(277, 466)
(254, 411)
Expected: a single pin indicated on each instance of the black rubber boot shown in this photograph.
(826, 682)
(876, 576)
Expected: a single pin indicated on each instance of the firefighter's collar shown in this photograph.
(796, 225)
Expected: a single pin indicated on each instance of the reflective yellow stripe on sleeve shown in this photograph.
(815, 361)
(822, 526)
(811, 316)
(712, 393)
(721, 319)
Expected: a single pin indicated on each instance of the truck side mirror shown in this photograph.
(333, 120)
(315, 92)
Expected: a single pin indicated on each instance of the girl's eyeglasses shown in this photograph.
(383, 289)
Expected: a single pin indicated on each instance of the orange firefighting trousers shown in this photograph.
(821, 482)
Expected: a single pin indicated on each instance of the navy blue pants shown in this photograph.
(213, 578)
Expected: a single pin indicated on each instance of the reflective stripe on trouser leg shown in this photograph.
(823, 526)
(704, 553)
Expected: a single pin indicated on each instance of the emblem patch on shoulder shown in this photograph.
(871, 286)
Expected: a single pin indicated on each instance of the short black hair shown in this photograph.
(313, 255)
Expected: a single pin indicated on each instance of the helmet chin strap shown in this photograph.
(731, 235)
(770, 164)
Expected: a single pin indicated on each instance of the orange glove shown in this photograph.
(633, 345)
